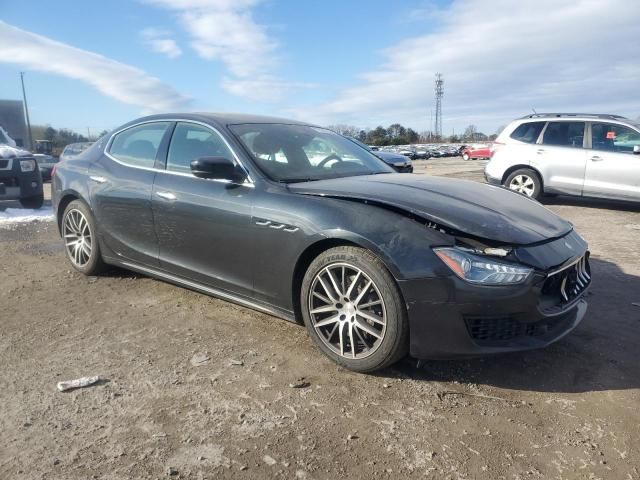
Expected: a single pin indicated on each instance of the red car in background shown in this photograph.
(479, 150)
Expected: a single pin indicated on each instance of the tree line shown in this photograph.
(397, 134)
(60, 138)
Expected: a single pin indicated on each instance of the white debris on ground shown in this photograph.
(25, 215)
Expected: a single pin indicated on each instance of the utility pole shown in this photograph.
(26, 111)
(439, 90)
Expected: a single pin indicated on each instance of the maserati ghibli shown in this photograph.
(301, 223)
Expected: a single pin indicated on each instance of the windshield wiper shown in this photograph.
(297, 180)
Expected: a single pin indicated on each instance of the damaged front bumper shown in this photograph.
(449, 317)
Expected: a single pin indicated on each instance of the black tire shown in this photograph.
(525, 175)
(394, 344)
(34, 202)
(95, 264)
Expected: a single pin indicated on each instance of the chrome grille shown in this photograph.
(570, 282)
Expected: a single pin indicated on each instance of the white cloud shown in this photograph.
(122, 82)
(225, 30)
(262, 88)
(159, 42)
(499, 59)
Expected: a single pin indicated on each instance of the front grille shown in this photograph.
(9, 182)
(502, 330)
(569, 283)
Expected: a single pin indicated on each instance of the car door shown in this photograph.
(120, 185)
(203, 226)
(613, 170)
(561, 157)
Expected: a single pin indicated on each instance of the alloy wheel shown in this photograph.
(77, 237)
(523, 184)
(347, 310)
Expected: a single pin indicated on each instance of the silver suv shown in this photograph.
(569, 153)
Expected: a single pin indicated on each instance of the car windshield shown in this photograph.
(366, 147)
(300, 153)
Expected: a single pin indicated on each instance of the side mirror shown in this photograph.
(217, 168)
(636, 149)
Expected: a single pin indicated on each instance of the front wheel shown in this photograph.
(353, 309)
(80, 240)
(466, 157)
(526, 182)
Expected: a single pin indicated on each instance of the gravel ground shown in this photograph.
(196, 387)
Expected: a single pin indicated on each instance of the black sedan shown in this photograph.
(299, 222)
(400, 163)
(46, 164)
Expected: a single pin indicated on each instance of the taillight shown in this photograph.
(495, 146)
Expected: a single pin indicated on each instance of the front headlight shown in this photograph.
(27, 165)
(480, 269)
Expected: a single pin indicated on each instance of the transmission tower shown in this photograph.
(439, 94)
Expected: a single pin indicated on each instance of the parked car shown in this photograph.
(591, 155)
(478, 150)
(375, 264)
(20, 177)
(73, 150)
(46, 164)
(398, 162)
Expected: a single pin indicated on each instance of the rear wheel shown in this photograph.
(526, 182)
(80, 240)
(353, 310)
(34, 202)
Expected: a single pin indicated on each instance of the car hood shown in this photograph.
(7, 151)
(392, 158)
(478, 210)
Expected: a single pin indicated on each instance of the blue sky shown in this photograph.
(362, 62)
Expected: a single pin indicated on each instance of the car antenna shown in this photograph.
(534, 111)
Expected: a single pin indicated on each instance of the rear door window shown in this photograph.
(610, 137)
(528, 132)
(564, 134)
(138, 146)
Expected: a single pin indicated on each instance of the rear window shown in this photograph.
(528, 132)
(564, 134)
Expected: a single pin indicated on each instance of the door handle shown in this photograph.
(97, 179)
(596, 158)
(540, 151)
(166, 195)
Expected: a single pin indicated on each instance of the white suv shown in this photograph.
(568, 153)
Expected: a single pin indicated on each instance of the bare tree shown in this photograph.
(346, 130)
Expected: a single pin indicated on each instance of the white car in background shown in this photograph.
(589, 155)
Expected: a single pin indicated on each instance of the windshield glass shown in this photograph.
(3, 139)
(298, 153)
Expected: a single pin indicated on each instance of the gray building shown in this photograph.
(12, 120)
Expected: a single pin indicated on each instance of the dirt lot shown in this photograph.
(569, 411)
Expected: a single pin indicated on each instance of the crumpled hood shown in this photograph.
(479, 210)
(7, 151)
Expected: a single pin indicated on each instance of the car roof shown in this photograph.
(220, 118)
(572, 116)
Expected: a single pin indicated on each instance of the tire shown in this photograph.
(83, 253)
(34, 202)
(381, 339)
(525, 181)
(466, 157)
